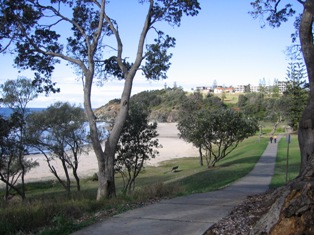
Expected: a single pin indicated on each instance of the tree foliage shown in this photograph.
(296, 96)
(59, 132)
(137, 144)
(33, 27)
(218, 133)
(191, 106)
(252, 104)
(15, 94)
(214, 129)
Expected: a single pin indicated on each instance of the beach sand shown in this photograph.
(173, 147)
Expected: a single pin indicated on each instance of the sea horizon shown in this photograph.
(6, 112)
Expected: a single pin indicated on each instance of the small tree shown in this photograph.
(136, 145)
(16, 94)
(219, 133)
(10, 169)
(59, 133)
(253, 105)
(274, 112)
(247, 88)
(187, 124)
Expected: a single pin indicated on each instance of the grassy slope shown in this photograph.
(192, 178)
(48, 207)
(294, 158)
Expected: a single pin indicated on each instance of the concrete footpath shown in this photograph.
(193, 214)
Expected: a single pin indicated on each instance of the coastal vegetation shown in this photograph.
(47, 209)
(59, 133)
(137, 144)
(213, 128)
(39, 47)
(34, 32)
(15, 94)
(295, 213)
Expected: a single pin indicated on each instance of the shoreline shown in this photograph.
(173, 147)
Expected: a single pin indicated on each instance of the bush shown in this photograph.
(30, 217)
(158, 190)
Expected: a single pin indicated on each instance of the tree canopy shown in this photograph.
(212, 127)
(137, 144)
(15, 94)
(45, 32)
(59, 133)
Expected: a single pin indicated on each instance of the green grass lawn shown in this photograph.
(294, 159)
(48, 211)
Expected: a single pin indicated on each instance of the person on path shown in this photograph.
(275, 139)
(271, 139)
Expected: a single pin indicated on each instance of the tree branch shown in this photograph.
(81, 30)
(7, 46)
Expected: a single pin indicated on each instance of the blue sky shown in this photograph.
(223, 43)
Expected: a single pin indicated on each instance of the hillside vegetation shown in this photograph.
(163, 105)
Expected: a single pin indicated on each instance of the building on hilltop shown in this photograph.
(220, 89)
(282, 85)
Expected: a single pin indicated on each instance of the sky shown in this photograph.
(223, 44)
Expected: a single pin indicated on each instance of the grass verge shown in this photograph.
(48, 210)
(294, 159)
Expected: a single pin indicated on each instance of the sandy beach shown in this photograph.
(173, 147)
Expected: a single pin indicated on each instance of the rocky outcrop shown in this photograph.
(109, 111)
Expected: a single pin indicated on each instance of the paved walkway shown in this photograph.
(193, 214)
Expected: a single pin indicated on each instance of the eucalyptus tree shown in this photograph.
(297, 206)
(78, 31)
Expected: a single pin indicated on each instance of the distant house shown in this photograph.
(220, 89)
(229, 89)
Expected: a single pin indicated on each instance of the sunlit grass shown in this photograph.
(294, 160)
(194, 178)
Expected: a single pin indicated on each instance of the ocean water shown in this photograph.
(6, 112)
